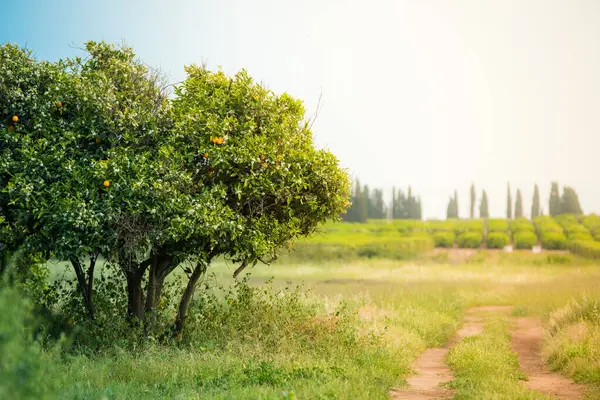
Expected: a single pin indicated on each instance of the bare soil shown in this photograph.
(431, 373)
(526, 342)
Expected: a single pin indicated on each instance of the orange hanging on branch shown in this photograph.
(106, 183)
(15, 118)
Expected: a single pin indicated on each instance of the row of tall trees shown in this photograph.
(406, 206)
(369, 204)
(568, 203)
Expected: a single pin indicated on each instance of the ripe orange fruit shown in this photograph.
(98, 140)
(59, 104)
(15, 118)
(205, 155)
(106, 183)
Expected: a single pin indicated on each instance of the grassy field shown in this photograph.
(353, 331)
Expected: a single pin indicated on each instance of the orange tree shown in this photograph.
(99, 161)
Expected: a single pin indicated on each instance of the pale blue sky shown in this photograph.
(436, 94)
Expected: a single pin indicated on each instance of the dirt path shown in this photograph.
(430, 370)
(526, 342)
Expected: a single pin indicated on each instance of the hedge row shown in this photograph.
(497, 225)
(587, 249)
(462, 226)
(524, 240)
(444, 239)
(497, 240)
(470, 240)
(396, 248)
(521, 224)
(550, 233)
(573, 228)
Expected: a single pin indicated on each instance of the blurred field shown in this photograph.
(354, 328)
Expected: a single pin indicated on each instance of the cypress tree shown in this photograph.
(483, 207)
(519, 205)
(455, 204)
(554, 202)
(535, 204)
(570, 202)
(473, 195)
(508, 203)
(450, 209)
(379, 204)
(362, 204)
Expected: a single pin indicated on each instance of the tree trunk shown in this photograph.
(135, 293)
(160, 267)
(186, 298)
(84, 287)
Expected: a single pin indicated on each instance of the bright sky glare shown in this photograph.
(432, 93)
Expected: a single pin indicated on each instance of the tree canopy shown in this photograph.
(97, 160)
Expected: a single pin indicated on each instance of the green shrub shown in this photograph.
(592, 222)
(580, 237)
(520, 225)
(467, 225)
(339, 247)
(444, 239)
(585, 248)
(434, 226)
(524, 240)
(497, 240)
(24, 370)
(554, 241)
(497, 225)
(545, 223)
(470, 240)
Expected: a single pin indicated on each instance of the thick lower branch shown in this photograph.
(186, 298)
(84, 287)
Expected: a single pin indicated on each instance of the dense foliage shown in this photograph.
(444, 239)
(497, 225)
(97, 161)
(524, 240)
(470, 240)
(497, 240)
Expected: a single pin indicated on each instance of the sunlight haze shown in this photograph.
(433, 94)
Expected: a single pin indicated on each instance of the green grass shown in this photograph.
(486, 368)
(354, 331)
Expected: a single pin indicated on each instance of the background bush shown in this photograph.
(587, 249)
(524, 240)
(554, 241)
(24, 370)
(467, 225)
(497, 240)
(470, 240)
(497, 225)
(444, 239)
(520, 225)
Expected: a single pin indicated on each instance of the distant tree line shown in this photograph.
(369, 204)
(568, 203)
